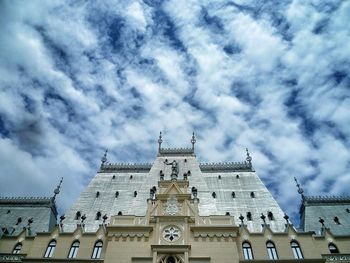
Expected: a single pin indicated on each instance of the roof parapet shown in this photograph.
(228, 167)
(127, 167)
(326, 199)
(176, 151)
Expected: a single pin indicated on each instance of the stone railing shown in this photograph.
(132, 167)
(176, 151)
(228, 167)
(11, 257)
(25, 200)
(344, 258)
(327, 199)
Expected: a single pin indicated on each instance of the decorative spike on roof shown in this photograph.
(57, 190)
(160, 141)
(193, 141)
(249, 158)
(104, 158)
(300, 190)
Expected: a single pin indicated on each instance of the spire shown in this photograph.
(104, 158)
(57, 190)
(300, 190)
(249, 158)
(160, 141)
(193, 141)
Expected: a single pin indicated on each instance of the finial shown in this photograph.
(249, 158)
(160, 141)
(57, 189)
(193, 141)
(300, 190)
(104, 158)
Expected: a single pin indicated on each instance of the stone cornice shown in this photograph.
(129, 231)
(214, 231)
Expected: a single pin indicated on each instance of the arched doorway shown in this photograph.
(171, 259)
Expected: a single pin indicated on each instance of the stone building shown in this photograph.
(178, 210)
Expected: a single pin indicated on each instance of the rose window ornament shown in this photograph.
(171, 233)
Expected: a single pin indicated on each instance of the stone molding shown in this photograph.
(11, 257)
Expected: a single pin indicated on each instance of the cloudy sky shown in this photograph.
(77, 77)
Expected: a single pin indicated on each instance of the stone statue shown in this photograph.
(174, 169)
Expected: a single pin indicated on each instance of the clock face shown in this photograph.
(171, 233)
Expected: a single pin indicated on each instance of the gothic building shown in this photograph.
(174, 210)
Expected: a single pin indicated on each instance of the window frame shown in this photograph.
(247, 251)
(50, 249)
(271, 250)
(296, 249)
(97, 250)
(73, 251)
(17, 250)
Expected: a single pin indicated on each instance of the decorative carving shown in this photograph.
(108, 167)
(171, 233)
(172, 206)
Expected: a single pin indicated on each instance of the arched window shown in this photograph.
(17, 248)
(50, 249)
(333, 248)
(96, 253)
(296, 249)
(74, 250)
(271, 250)
(247, 250)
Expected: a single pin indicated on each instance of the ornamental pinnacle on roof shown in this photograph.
(104, 158)
(249, 158)
(193, 141)
(57, 190)
(160, 141)
(300, 190)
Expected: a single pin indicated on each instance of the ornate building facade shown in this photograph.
(177, 210)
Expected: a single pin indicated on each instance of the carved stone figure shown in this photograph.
(174, 169)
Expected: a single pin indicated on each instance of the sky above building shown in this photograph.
(77, 77)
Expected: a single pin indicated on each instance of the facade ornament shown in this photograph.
(104, 158)
(286, 217)
(160, 141)
(249, 158)
(194, 192)
(300, 190)
(57, 189)
(172, 206)
(193, 141)
(174, 169)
